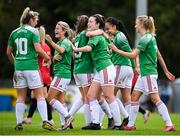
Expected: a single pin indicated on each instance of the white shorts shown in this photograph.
(60, 84)
(83, 80)
(124, 76)
(147, 84)
(28, 78)
(105, 76)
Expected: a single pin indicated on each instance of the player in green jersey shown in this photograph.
(44, 68)
(25, 41)
(62, 69)
(147, 81)
(83, 75)
(124, 66)
(98, 48)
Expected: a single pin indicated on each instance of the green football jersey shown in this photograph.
(100, 56)
(83, 61)
(121, 43)
(62, 68)
(148, 54)
(22, 40)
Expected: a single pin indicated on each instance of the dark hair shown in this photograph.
(100, 19)
(81, 23)
(120, 26)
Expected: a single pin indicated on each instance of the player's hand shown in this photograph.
(74, 48)
(106, 35)
(113, 47)
(136, 71)
(48, 38)
(170, 76)
(47, 62)
(57, 57)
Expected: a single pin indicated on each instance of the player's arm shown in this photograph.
(86, 48)
(41, 52)
(54, 45)
(132, 54)
(10, 55)
(96, 32)
(169, 75)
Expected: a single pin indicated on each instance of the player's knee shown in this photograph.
(155, 100)
(134, 97)
(109, 99)
(90, 97)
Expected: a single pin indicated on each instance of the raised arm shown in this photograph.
(54, 45)
(94, 33)
(97, 32)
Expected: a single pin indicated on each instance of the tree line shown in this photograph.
(165, 12)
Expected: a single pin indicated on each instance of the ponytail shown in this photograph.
(148, 23)
(27, 15)
(42, 33)
(120, 27)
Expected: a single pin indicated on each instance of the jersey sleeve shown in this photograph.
(143, 43)
(36, 38)
(122, 42)
(66, 45)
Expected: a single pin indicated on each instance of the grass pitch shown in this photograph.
(154, 126)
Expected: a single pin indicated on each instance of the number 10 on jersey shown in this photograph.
(21, 44)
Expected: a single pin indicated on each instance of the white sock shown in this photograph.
(105, 107)
(122, 109)
(115, 113)
(133, 113)
(20, 108)
(76, 106)
(62, 118)
(101, 116)
(42, 108)
(59, 107)
(87, 113)
(94, 108)
(127, 106)
(164, 113)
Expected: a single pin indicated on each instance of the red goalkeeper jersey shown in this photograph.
(44, 66)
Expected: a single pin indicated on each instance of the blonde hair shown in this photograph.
(27, 15)
(42, 33)
(148, 23)
(65, 27)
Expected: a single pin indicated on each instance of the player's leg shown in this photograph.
(19, 82)
(163, 112)
(20, 107)
(94, 105)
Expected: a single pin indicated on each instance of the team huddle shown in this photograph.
(103, 64)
